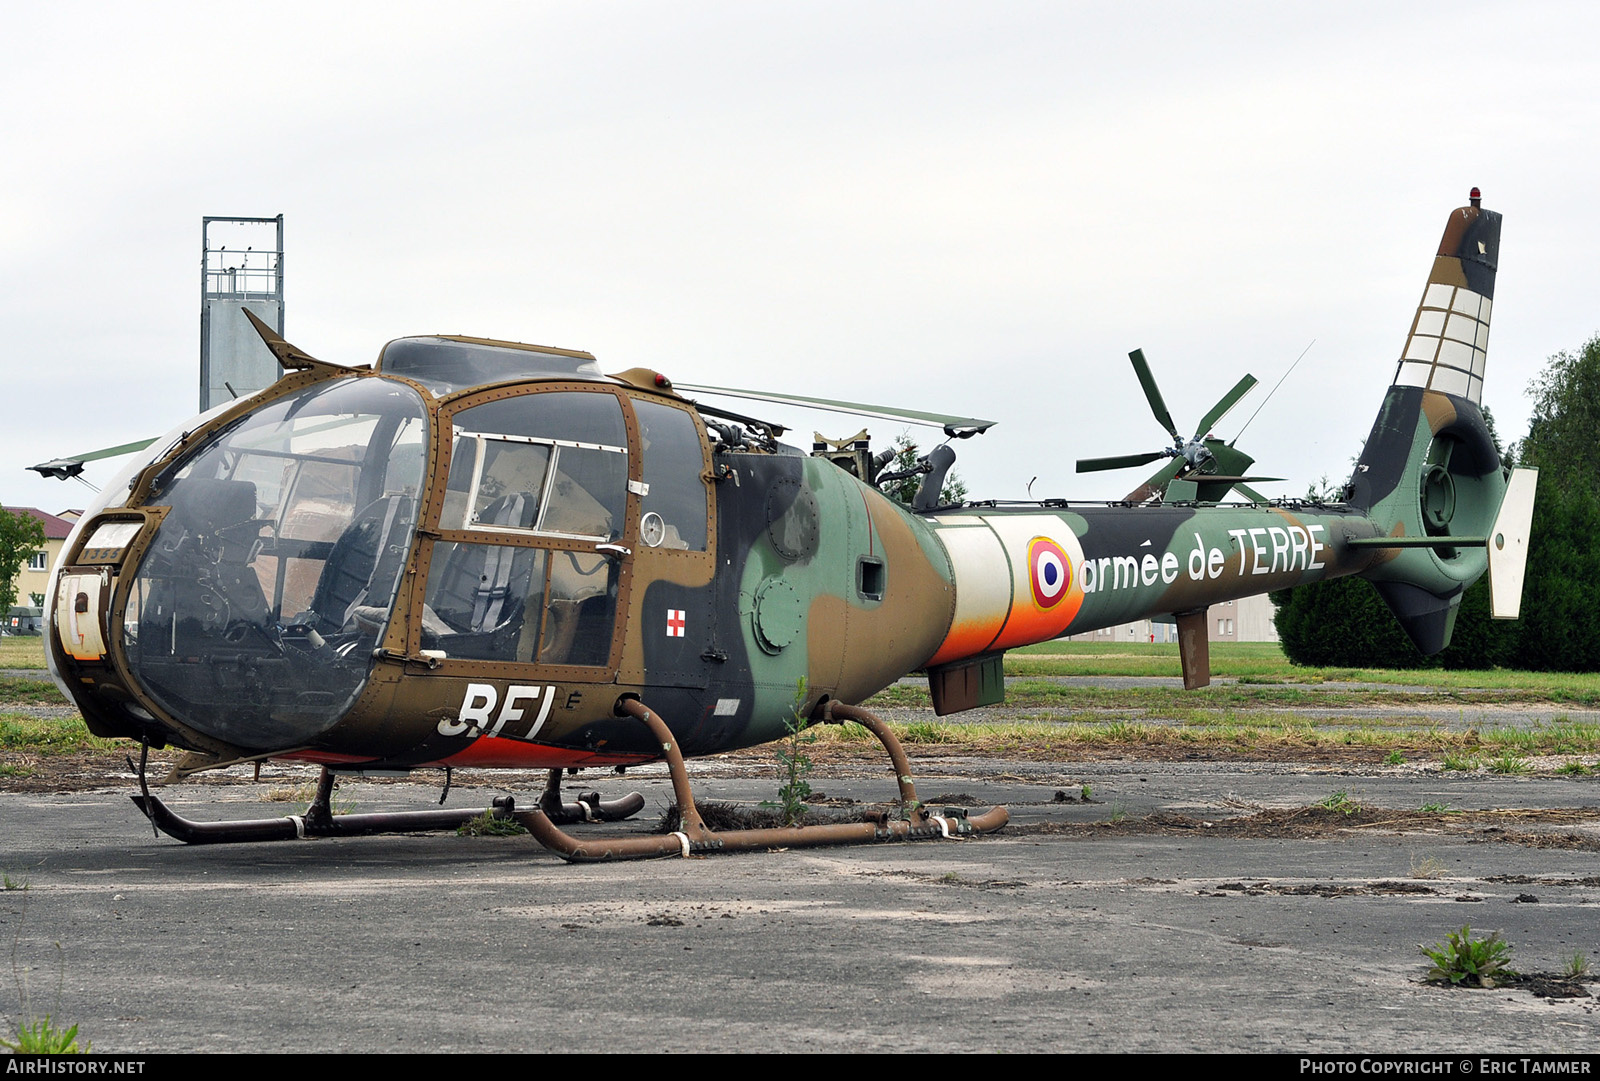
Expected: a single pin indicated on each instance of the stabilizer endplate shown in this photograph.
(1508, 544)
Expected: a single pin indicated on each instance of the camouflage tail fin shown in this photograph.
(1429, 470)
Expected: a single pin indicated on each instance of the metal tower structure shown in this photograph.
(241, 265)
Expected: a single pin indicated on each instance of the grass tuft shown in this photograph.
(489, 824)
(33, 735)
(1508, 761)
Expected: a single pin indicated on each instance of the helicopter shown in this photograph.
(480, 553)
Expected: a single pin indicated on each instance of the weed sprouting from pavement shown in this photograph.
(1427, 867)
(1463, 961)
(793, 762)
(1341, 802)
(42, 1037)
(489, 824)
(36, 1035)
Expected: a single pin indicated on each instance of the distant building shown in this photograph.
(34, 577)
(1247, 620)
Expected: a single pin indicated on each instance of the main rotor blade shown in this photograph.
(72, 466)
(112, 452)
(1229, 400)
(958, 427)
(1152, 394)
(1121, 461)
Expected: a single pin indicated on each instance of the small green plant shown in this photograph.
(1435, 808)
(1118, 811)
(1578, 967)
(793, 762)
(1084, 793)
(1508, 761)
(1394, 758)
(43, 1038)
(41, 1035)
(9, 884)
(489, 824)
(1340, 801)
(1465, 763)
(1463, 961)
(1573, 767)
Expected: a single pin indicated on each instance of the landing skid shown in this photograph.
(694, 837)
(320, 821)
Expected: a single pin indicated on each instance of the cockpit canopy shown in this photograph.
(277, 566)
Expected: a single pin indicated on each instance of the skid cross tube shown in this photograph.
(589, 806)
(694, 837)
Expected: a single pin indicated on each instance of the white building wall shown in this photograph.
(1247, 620)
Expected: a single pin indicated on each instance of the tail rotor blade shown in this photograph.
(1152, 394)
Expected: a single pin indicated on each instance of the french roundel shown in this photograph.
(1050, 571)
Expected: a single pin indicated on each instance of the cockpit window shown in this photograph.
(674, 477)
(444, 365)
(514, 465)
(533, 605)
(274, 572)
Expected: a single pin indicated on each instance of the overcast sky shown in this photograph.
(977, 208)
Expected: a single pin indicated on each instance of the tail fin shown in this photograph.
(1429, 470)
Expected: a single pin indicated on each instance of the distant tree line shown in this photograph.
(1343, 623)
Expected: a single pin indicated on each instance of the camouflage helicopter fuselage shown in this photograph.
(470, 554)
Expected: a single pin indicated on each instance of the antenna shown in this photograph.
(1273, 391)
